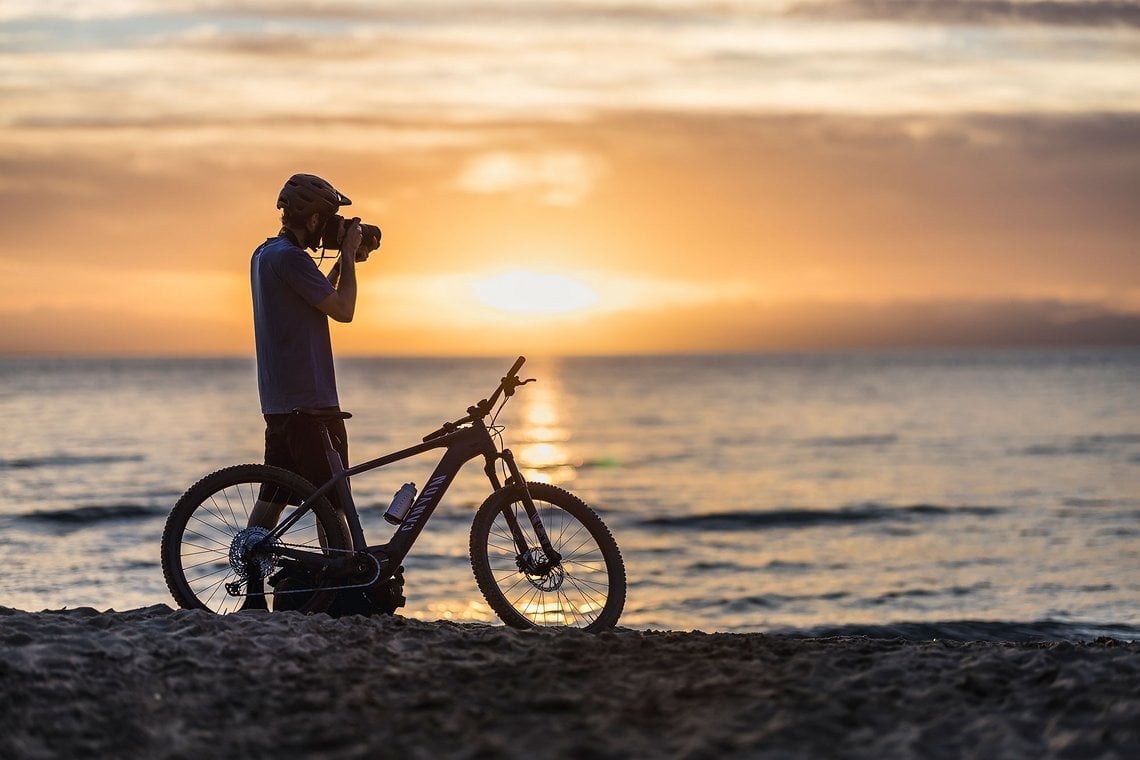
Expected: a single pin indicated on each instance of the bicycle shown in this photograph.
(540, 555)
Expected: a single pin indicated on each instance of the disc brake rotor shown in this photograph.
(538, 570)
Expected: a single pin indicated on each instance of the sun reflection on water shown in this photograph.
(544, 455)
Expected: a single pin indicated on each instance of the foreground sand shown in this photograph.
(157, 683)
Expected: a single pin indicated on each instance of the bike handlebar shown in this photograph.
(507, 385)
(517, 366)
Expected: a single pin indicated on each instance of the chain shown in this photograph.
(375, 575)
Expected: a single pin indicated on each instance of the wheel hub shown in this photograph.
(248, 555)
(539, 571)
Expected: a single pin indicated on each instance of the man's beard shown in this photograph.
(313, 237)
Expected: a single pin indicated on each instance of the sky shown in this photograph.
(578, 176)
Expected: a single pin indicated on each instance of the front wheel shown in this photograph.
(586, 589)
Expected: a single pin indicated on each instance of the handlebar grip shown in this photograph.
(518, 365)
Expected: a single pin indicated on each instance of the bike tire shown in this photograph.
(590, 591)
(206, 521)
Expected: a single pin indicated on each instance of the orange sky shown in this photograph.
(743, 177)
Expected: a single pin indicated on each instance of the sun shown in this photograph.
(522, 291)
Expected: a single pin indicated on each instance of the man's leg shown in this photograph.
(307, 447)
(269, 505)
(265, 514)
(295, 443)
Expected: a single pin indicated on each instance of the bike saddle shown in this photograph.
(323, 414)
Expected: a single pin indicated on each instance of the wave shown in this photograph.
(1077, 502)
(67, 460)
(770, 601)
(976, 630)
(852, 440)
(79, 516)
(1085, 444)
(910, 593)
(801, 518)
(773, 566)
(1117, 502)
(714, 567)
(775, 601)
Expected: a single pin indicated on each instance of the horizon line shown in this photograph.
(743, 352)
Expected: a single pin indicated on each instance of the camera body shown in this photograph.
(333, 235)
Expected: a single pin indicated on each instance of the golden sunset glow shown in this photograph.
(525, 292)
(564, 178)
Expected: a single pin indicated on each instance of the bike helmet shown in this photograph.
(307, 194)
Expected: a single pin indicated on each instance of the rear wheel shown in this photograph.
(209, 551)
(586, 589)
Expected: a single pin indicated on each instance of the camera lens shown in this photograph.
(332, 235)
(370, 237)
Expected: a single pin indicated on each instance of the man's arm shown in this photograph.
(341, 303)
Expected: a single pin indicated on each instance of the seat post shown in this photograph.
(343, 492)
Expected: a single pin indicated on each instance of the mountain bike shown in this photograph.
(540, 555)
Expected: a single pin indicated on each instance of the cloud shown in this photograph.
(111, 331)
(452, 63)
(76, 9)
(624, 13)
(1054, 12)
(449, 11)
(904, 324)
(557, 178)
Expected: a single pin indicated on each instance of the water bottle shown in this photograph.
(401, 501)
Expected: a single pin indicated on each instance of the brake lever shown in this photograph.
(509, 388)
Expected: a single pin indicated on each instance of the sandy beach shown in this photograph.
(159, 683)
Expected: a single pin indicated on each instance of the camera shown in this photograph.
(333, 235)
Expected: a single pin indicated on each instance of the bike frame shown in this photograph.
(462, 445)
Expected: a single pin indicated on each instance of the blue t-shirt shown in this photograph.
(294, 352)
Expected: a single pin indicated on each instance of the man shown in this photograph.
(292, 302)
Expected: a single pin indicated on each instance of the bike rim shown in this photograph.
(207, 540)
(572, 594)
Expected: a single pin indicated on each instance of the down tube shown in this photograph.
(429, 498)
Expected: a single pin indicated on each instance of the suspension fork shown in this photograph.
(516, 479)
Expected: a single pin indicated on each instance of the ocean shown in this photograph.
(957, 494)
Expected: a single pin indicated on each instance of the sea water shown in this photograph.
(917, 493)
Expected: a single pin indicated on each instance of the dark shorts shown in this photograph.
(294, 442)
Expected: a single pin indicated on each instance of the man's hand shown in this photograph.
(350, 246)
(341, 304)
